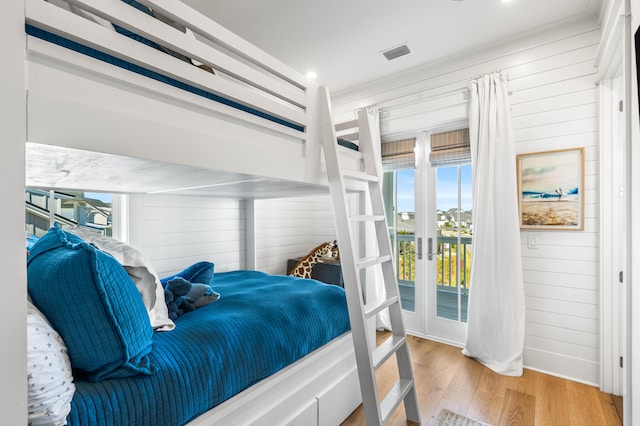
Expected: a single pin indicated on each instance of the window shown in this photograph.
(44, 207)
(398, 191)
(450, 155)
(454, 227)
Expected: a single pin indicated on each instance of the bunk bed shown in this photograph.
(150, 96)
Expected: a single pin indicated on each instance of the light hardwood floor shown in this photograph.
(447, 379)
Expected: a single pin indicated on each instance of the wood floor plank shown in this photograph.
(518, 409)
(612, 409)
(460, 393)
(584, 405)
(551, 400)
(447, 379)
(486, 405)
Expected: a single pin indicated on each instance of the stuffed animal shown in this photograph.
(324, 251)
(189, 289)
(175, 291)
(201, 295)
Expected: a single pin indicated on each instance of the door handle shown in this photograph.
(430, 252)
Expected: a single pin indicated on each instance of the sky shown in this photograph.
(548, 171)
(447, 189)
(105, 198)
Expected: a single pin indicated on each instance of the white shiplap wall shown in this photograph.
(176, 231)
(289, 228)
(554, 106)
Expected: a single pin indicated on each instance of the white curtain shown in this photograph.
(495, 329)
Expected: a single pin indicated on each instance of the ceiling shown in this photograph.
(342, 40)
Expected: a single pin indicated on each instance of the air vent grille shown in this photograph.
(396, 52)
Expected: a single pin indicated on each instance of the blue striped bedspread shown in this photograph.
(261, 324)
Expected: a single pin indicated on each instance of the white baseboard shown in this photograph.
(566, 367)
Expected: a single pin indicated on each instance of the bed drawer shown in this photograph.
(308, 416)
(335, 405)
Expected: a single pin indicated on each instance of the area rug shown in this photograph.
(449, 418)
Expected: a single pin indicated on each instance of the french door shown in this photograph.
(430, 225)
(449, 230)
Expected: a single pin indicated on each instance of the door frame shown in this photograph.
(424, 322)
(613, 229)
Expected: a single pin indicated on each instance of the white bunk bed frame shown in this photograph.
(96, 126)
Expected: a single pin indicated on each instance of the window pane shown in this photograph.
(466, 200)
(454, 222)
(398, 191)
(91, 210)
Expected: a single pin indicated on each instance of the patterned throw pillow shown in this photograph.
(50, 382)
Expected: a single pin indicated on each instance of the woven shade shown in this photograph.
(450, 148)
(398, 155)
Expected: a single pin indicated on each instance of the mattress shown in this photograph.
(261, 324)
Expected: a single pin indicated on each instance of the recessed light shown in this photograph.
(311, 75)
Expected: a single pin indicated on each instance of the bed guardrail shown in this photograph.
(245, 79)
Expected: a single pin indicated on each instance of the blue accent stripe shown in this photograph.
(69, 44)
(347, 144)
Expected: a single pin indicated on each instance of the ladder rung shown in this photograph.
(386, 349)
(368, 218)
(353, 124)
(371, 261)
(364, 177)
(379, 307)
(394, 398)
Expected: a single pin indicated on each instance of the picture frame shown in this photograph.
(551, 190)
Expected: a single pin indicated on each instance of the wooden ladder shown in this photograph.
(369, 357)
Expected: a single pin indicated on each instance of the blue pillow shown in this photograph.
(200, 276)
(31, 240)
(200, 272)
(92, 303)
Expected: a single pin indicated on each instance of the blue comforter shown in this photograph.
(261, 324)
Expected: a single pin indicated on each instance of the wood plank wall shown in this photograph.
(176, 231)
(289, 228)
(555, 106)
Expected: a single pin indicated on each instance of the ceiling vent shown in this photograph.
(396, 52)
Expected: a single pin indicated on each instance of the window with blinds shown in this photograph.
(397, 155)
(450, 148)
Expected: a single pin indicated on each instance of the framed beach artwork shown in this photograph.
(551, 190)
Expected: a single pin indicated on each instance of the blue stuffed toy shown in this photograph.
(189, 289)
(175, 291)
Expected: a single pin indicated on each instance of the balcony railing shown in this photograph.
(450, 304)
(446, 258)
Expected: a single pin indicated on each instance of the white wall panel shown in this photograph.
(576, 308)
(560, 280)
(290, 228)
(568, 321)
(177, 231)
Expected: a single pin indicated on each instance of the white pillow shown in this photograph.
(49, 380)
(141, 272)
